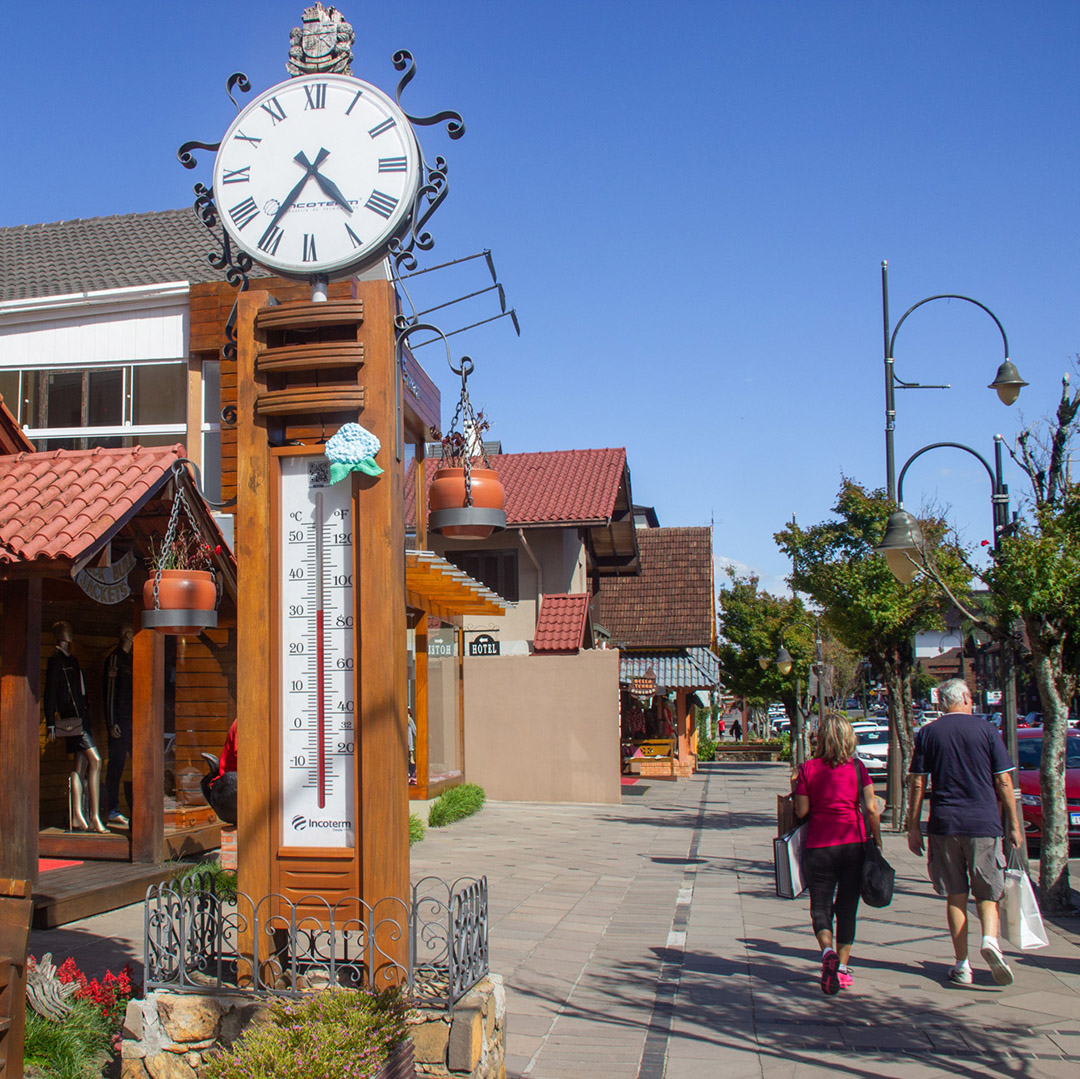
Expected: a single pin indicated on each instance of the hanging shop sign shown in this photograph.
(108, 584)
(643, 685)
(484, 645)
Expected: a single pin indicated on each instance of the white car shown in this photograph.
(873, 752)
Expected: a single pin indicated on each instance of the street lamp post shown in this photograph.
(1008, 384)
(784, 663)
(903, 537)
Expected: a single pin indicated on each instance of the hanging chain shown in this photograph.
(469, 424)
(179, 506)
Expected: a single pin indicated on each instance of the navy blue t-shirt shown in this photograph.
(961, 753)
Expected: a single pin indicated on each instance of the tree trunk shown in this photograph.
(1055, 693)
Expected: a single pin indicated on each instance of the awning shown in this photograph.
(681, 668)
(432, 584)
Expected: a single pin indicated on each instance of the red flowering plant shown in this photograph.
(110, 995)
(185, 550)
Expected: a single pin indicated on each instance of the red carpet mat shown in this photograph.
(45, 864)
(628, 781)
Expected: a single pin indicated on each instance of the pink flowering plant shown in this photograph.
(332, 1034)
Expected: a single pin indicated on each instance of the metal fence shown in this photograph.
(201, 939)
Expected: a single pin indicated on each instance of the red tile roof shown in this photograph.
(670, 604)
(58, 504)
(12, 437)
(563, 487)
(561, 625)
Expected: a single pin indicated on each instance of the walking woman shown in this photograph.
(835, 790)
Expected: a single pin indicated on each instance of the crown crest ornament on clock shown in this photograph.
(323, 45)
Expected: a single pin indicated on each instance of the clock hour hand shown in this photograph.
(332, 190)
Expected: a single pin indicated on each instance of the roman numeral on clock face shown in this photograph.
(378, 129)
(381, 203)
(243, 213)
(356, 241)
(273, 107)
(248, 138)
(309, 248)
(392, 164)
(316, 96)
(237, 176)
(352, 103)
(270, 239)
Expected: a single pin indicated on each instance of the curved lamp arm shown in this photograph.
(994, 480)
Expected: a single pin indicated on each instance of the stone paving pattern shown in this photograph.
(645, 941)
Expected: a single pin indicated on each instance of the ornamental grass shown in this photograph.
(333, 1034)
(458, 802)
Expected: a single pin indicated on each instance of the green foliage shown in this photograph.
(461, 801)
(335, 1034)
(706, 748)
(752, 624)
(416, 829)
(206, 875)
(922, 685)
(73, 1049)
(785, 747)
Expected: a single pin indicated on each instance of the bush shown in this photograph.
(335, 1034)
(202, 875)
(706, 748)
(74, 1048)
(416, 829)
(785, 747)
(455, 804)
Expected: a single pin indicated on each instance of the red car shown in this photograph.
(1029, 744)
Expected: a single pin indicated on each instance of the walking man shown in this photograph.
(970, 783)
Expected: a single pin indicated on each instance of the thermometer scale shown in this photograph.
(317, 698)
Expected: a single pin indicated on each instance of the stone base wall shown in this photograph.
(471, 1041)
(656, 768)
(166, 1035)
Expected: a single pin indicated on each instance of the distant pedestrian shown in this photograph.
(970, 785)
(720, 727)
(831, 787)
(736, 731)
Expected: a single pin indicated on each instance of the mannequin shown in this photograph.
(65, 696)
(117, 700)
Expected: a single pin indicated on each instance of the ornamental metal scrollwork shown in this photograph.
(433, 191)
(455, 125)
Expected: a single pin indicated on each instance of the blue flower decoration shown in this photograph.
(352, 449)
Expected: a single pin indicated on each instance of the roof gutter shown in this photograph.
(539, 573)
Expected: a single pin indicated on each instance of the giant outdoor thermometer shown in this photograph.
(317, 698)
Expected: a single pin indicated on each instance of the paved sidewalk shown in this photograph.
(645, 941)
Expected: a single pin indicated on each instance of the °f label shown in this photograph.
(318, 701)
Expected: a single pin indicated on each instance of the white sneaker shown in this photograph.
(993, 958)
(961, 975)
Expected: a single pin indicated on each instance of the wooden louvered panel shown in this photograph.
(292, 401)
(308, 357)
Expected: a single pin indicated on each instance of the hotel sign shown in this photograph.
(484, 645)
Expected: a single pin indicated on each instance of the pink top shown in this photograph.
(835, 799)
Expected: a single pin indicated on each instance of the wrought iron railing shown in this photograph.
(199, 939)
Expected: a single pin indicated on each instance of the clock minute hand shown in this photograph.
(309, 169)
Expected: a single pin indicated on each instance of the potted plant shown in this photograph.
(466, 500)
(180, 596)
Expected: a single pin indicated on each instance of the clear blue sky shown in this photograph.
(688, 203)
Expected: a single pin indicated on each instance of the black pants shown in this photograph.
(834, 876)
(119, 748)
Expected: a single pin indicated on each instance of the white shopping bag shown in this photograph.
(787, 861)
(1021, 921)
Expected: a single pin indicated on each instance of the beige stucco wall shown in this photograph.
(544, 728)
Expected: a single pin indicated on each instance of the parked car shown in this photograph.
(929, 716)
(1029, 742)
(777, 710)
(873, 751)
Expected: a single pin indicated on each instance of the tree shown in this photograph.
(752, 624)
(1036, 578)
(864, 606)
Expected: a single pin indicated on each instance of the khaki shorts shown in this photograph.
(958, 864)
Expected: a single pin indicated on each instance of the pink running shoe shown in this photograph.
(845, 978)
(830, 980)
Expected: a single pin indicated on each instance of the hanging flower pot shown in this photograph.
(186, 601)
(180, 597)
(455, 514)
(466, 502)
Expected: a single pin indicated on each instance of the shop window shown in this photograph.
(444, 703)
(498, 570)
(159, 393)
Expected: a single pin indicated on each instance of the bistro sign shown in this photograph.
(484, 645)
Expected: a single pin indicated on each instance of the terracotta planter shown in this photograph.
(187, 601)
(449, 514)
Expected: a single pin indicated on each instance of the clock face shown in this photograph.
(316, 174)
